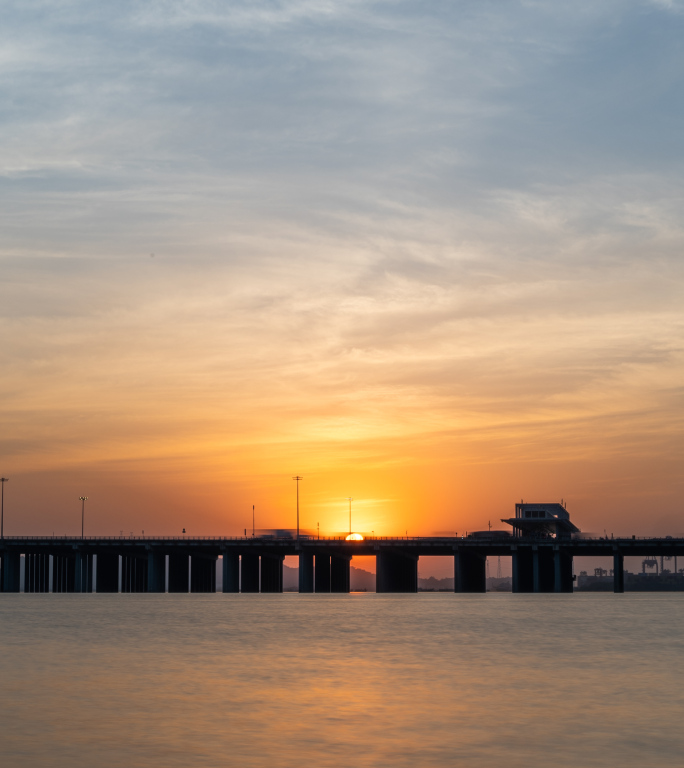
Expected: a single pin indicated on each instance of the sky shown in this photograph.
(426, 255)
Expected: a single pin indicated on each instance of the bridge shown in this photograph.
(255, 564)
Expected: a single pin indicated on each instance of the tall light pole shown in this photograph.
(3, 480)
(350, 501)
(83, 501)
(297, 478)
(252, 520)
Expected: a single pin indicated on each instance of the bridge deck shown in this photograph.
(420, 546)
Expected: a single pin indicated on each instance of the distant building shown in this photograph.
(541, 520)
(602, 581)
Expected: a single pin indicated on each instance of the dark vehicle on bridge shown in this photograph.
(484, 535)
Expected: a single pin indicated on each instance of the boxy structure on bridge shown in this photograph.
(535, 568)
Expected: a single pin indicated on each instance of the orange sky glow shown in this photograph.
(248, 253)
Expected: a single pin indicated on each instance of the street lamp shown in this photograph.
(3, 480)
(297, 478)
(350, 501)
(83, 501)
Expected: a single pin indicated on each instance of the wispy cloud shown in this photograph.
(378, 231)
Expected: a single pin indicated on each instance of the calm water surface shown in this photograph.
(342, 680)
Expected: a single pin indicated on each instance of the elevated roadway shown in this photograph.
(255, 564)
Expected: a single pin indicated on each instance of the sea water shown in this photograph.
(342, 680)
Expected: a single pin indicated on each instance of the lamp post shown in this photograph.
(297, 478)
(83, 501)
(3, 480)
(350, 501)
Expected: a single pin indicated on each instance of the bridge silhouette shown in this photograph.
(255, 564)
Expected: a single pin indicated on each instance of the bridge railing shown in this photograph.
(283, 539)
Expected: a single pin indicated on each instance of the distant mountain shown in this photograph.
(364, 581)
(360, 580)
(290, 579)
(504, 584)
(436, 585)
(444, 585)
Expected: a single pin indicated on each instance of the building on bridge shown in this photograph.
(541, 520)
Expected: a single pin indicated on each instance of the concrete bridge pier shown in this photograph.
(134, 574)
(618, 573)
(272, 573)
(340, 572)
(63, 573)
(249, 573)
(107, 569)
(156, 571)
(41, 573)
(83, 575)
(543, 575)
(29, 573)
(203, 573)
(179, 566)
(396, 572)
(231, 571)
(523, 576)
(11, 571)
(322, 573)
(562, 568)
(470, 572)
(306, 572)
(127, 573)
(37, 573)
